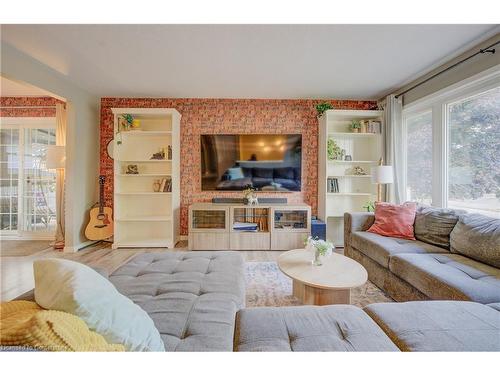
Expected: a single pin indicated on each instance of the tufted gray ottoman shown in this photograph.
(308, 329)
(192, 297)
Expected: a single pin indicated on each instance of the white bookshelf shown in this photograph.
(354, 190)
(143, 217)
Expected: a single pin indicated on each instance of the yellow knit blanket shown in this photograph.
(24, 323)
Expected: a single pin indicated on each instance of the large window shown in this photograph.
(474, 153)
(419, 157)
(452, 147)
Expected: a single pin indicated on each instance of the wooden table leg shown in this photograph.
(320, 297)
(298, 290)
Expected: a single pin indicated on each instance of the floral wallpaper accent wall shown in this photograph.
(229, 116)
(8, 106)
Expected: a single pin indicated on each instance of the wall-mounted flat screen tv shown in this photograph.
(266, 162)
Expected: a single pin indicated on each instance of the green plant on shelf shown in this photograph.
(125, 123)
(322, 108)
(355, 125)
(334, 151)
(370, 206)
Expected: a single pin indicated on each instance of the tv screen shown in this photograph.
(266, 162)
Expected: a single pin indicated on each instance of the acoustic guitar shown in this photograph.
(100, 225)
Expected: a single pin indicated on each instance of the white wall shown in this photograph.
(82, 139)
(468, 69)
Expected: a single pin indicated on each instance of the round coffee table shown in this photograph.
(327, 284)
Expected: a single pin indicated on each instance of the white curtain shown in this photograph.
(393, 140)
(60, 206)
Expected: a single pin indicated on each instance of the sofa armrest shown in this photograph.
(354, 222)
(358, 221)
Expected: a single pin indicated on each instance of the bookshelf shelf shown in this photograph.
(145, 217)
(340, 190)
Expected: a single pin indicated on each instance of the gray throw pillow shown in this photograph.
(434, 225)
(477, 237)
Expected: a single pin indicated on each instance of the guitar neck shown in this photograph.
(101, 194)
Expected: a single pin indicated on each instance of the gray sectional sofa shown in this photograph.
(456, 256)
(197, 302)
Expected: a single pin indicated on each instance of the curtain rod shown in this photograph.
(488, 49)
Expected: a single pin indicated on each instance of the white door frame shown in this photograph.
(22, 123)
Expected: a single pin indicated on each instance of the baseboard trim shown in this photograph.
(74, 249)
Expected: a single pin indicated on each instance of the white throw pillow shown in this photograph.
(74, 288)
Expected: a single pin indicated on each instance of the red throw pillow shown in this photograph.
(393, 220)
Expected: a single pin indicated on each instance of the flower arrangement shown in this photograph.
(322, 248)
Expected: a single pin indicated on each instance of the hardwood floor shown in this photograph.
(17, 271)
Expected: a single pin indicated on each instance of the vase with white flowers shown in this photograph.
(322, 249)
(309, 243)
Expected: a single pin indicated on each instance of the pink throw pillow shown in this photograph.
(393, 220)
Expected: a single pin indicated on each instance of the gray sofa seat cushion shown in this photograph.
(448, 276)
(308, 328)
(495, 306)
(380, 248)
(434, 225)
(439, 325)
(477, 237)
(191, 297)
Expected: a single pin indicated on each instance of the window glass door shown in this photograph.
(39, 193)
(9, 179)
(28, 189)
(474, 153)
(418, 174)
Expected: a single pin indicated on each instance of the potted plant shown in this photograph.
(355, 126)
(333, 150)
(124, 123)
(370, 206)
(322, 248)
(322, 108)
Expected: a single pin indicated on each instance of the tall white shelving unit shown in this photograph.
(143, 217)
(354, 190)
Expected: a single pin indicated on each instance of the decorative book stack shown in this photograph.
(333, 185)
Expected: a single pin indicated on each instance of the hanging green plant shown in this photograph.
(370, 206)
(333, 150)
(322, 108)
(125, 122)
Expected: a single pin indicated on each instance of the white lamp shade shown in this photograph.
(56, 157)
(382, 174)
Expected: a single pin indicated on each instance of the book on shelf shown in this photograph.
(372, 126)
(167, 188)
(162, 184)
(332, 185)
(246, 227)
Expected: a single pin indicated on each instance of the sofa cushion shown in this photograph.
(439, 325)
(308, 328)
(285, 173)
(478, 237)
(381, 248)
(448, 276)
(394, 220)
(434, 225)
(263, 172)
(191, 297)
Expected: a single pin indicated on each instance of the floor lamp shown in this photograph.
(382, 174)
(56, 159)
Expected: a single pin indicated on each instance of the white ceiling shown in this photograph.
(14, 88)
(243, 61)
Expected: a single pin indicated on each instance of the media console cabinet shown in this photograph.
(214, 226)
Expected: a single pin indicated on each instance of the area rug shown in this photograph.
(268, 286)
(22, 248)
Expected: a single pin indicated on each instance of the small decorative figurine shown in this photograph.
(348, 158)
(250, 196)
(156, 186)
(160, 155)
(132, 169)
(358, 171)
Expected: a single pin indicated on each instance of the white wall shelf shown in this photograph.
(145, 218)
(354, 191)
